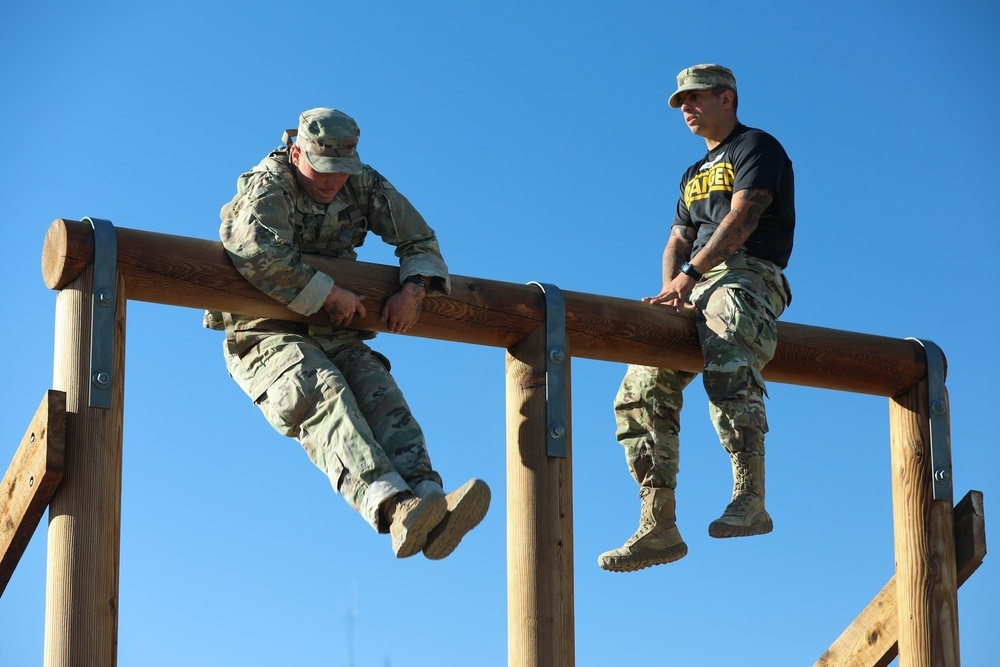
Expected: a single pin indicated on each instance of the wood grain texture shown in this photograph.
(193, 273)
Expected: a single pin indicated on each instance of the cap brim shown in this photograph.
(334, 165)
(675, 99)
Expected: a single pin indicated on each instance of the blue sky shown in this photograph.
(536, 140)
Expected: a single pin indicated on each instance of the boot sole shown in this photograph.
(411, 540)
(470, 508)
(635, 563)
(722, 530)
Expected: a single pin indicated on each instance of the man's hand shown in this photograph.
(675, 293)
(402, 309)
(342, 305)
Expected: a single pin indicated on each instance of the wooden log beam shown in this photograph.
(871, 639)
(31, 481)
(194, 273)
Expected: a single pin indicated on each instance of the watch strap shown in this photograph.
(689, 270)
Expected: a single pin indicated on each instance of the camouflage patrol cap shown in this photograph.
(329, 140)
(702, 77)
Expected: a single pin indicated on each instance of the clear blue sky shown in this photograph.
(536, 139)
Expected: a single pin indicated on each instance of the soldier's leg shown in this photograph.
(402, 439)
(303, 395)
(386, 412)
(739, 337)
(647, 415)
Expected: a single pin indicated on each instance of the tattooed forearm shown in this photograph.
(678, 250)
(742, 219)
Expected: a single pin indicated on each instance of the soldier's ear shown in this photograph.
(293, 154)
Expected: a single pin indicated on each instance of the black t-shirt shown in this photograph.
(747, 159)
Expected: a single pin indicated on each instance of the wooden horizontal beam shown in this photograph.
(181, 271)
(871, 640)
(31, 481)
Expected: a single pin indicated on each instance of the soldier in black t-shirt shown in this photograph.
(730, 241)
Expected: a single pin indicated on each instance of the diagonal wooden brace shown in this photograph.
(31, 481)
(871, 640)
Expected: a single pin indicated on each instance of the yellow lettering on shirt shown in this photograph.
(718, 178)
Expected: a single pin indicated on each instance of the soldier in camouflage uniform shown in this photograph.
(323, 385)
(729, 243)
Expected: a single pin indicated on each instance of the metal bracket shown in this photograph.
(937, 401)
(555, 369)
(102, 313)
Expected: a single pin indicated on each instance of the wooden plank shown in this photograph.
(31, 480)
(871, 640)
(195, 273)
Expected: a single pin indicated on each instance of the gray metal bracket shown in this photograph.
(102, 313)
(937, 402)
(555, 370)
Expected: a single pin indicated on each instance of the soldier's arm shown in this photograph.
(257, 234)
(742, 219)
(398, 223)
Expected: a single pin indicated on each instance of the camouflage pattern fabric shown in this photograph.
(321, 384)
(738, 303)
(271, 223)
(345, 409)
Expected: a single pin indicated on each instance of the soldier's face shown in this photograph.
(322, 188)
(704, 111)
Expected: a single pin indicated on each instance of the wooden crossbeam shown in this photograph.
(31, 480)
(871, 640)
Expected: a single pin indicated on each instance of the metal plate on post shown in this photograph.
(937, 403)
(102, 320)
(555, 370)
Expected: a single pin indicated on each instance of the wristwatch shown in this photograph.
(416, 280)
(689, 270)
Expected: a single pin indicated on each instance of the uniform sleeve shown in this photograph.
(682, 216)
(759, 162)
(398, 223)
(258, 236)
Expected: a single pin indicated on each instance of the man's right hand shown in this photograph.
(342, 305)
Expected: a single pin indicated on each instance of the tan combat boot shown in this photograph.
(657, 540)
(745, 515)
(411, 519)
(467, 506)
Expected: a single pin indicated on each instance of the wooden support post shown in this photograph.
(81, 598)
(31, 481)
(870, 641)
(540, 621)
(924, 538)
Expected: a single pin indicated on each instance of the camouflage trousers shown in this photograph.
(738, 303)
(346, 411)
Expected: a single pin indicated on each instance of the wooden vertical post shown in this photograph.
(539, 518)
(81, 598)
(924, 537)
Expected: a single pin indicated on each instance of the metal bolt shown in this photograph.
(557, 355)
(942, 475)
(103, 297)
(938, 407)
(32, 438)
(557, 430)
(101, 379)
(31, 481)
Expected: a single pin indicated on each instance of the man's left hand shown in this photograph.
(402, 309)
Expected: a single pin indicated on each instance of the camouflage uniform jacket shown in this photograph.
(271, 223)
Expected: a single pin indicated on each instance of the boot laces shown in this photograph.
(742, 502)
(742, 480)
